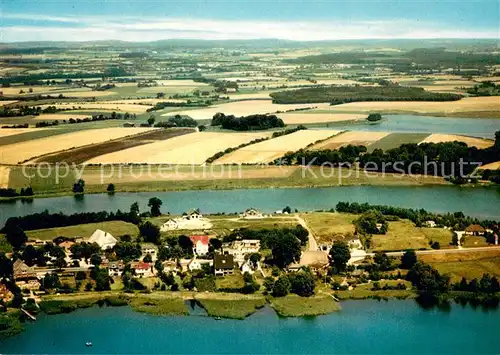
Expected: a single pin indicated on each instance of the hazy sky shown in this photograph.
(149, 20)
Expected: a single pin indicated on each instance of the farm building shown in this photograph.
(223, 265)
(103, 239)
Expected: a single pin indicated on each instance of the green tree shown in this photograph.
(155, 204)
(150, 232)
(151, 120)
(383, 261)
(111, 189)
(286, 249)
(282, 286)
(50, 281)
(79, 187)
(408, 260)
(425, 278)
(16, 237)
(81, 275)
(148, 258)
(269, 283)
(339, 256)
(302, 283)
(96, 260)
(134, 209)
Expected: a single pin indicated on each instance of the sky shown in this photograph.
(304, 20)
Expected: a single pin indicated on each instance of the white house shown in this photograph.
(197, 264)
(103, 239)
(239, 248)
(142, 269)
(251, 213)
(193, 219)
(200, 244)
(151, 249)
(430, 224)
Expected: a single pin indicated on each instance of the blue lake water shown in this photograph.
(477, 202)
(477, 127)
(361, 327)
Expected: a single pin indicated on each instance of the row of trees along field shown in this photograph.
(344, 94)
(247, 123)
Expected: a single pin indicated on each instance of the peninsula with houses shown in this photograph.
(298, 263)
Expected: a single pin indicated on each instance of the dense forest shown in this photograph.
(344, 94)
(344, 155)
(247, 123)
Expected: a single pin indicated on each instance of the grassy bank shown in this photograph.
(10, 324)
(296, 306)
(236, 306)
(366, 291)
(250, 177)
(167, 305)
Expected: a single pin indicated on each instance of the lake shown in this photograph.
(361, 327)
(478, 202)
(477, 127)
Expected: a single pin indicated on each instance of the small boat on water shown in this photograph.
(89, 343)
(218, 318)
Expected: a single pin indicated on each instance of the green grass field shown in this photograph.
(115, 228)
(235, 306)
(365, 291)
(296, 306)
(394, 140)
(223, 225)
(327, 225)
(403, 235)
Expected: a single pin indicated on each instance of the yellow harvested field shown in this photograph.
(244, 108)
(304, 117)
(87, 93)
(468, 104)
(146, 102)
(19, 152)
(180, 83)
(491, 166)
(193, 148)
(259, 95)
(351, 137)
(267, 151)
(60, 116)
(4, 132)
(130, 108)
(7, 102)
(4, 177)
(471, 141)
(15, 90)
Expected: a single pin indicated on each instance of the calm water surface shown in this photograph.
(477, 127)
(362, 327)
(478, 202)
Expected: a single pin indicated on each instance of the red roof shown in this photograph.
(142, 266)
(474, 228)
(199, 238)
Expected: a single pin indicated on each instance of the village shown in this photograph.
(190, 253)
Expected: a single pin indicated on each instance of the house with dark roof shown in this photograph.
(474, 229)
(223, 264)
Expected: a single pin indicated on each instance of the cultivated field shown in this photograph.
(267, 151)
(394, 140)
(492, 166)
(468, 104)
(82, 154)
(4, 177)
(243, 108)
(306, 117)
(130, 108)
(115, 228)
(60, 116)
(20, 152)
(6, 102)
(194, 148)
(4, 132)
(470, 141)
(329, 226)
(351, 137)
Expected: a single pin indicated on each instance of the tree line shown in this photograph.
(344, 94)
(455, 220)
(10, 192)
(336, 157)
(247, 123)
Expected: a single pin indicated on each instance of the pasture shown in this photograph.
(307, 117)
(115, 228)
(268, 151)
(394, 140)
